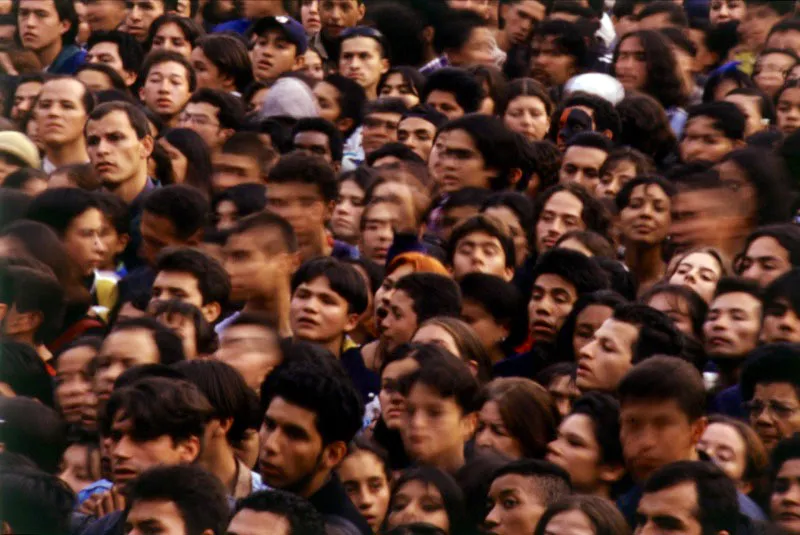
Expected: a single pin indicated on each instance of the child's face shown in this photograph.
(79, 468)
(703, 141)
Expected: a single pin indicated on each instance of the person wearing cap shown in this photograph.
(364, 57)
(16, 152)
(279, 47)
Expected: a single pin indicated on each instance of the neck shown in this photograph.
(48, 54)
(372, 92)
(451, 462)
(72, 152)
(170, 121)
(503, 42)
(275, 306)
(645, 262)
(729, 369)
(317, 246)
(316, 482)
(220, 460)
(129, 189)
(335, 345)
(496, 354)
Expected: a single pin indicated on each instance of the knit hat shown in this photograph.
(18, 145)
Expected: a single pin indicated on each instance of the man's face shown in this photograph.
(203, 118)
(671, 510)
(607, 357)
(157, 233)
(252, 522)
(316, 143)
(104, 14)
(122, 350)
(253, 260)
(24, 97)
(166, 89)
(521, 18)
(39, 24)
(764, 261)
(562, 213)
(732, 325)
(157, 516)
(336, 15)
(319, 314)
(549, 63)
(781, 323)
(702, 141)
(233, 169)
(654, 434)
(445, 103)
(750, 106)
(784, 502)
(417, 134)
(252, 350)
(462, 165)
(107, 53)
(378, 129)
(582, 166)
(786, 40)
(301, 205)
(774, 412)
(141, 14)
(60, 112)
(115, 151)
(291, 446)
(515, 505)
(479, 252)
(178, 285)
(360, 60)
(273, 54)
(478, 50)
(551, 302)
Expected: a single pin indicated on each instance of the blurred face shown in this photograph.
(83, 242)
(94, 80)
(234, 169)
(378, 129)
(60, 112)
(703, 141)
(674, 509)
(646, 218)
(771, 70)
(327, 101)
(445, 103)
(79, 467)
(756, 24)
(492, 433)
(549, 63)
(788, 110)
(576, 450)
(24, 97)
(254, 262)
(437, 429)
(613, 178)
(631, 66)
(417, 134)
(586, 324)
(208, 75)
(104, 14)
(481, 7)
(654, 434)
(490, 332)
(437, 335)
(785, 40)
(732, 325)
(478, 50)
(336, 15)
(313, 65)
(462, 165)
(158, 233)
(171, 37)
(318, 314)
(177, 160)
(416, 502)
(120, 351)
(573, 522)
(252, 350)
(400, 322)
(700, 272)
(141, 14)
(764, 261)
(272, 55)
(721, 11)
(607, 357)
(508, 217)
(479, 252)
(562, 213)
(73, 383)
(364, 478)
(784, 503)
(378, 232)
(528, 116)
(521, 18)
(107, 53)
(300, 204)
(397, 86)
(393, 403)
(346, 217)
(726, 447)
(166, 89)
(564, 393)
(774, 412)
(582, 166)
(39, 25)
(361, 61)
(252, 522)
(677, 309)
(551, 302)
(781, 323)
(309, 16)
(751, 108)
(514, 505)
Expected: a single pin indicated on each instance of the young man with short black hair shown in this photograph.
(453, 92)
(364, 57)
(463, 40)
(141, 14)
(481, 245)
(381, 120)
(417, 129)
(278, 47)
(256, 514)
(242, 159)
(118, 50)
(215, 115)
(781, 308)
(585, 154)
(336, 16)
(559, 51)
(712, 130)
(166, 99)
(174, 215)
(520, 17)
(48, 29)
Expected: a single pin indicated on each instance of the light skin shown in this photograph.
(273, 54)
(73, 383)
(377, 233)
(60, 116)
(549, 64)
(347, 212)
(208, 74)
(520, 19)
(573, 522)
(166, 90)
(337, 15)
(396, 86)
(378, 129)
(171, 37)
(400, 322)
(363, 476)
(361, 60)
(700, 272)
(203, 118)
(677, 309)
(159, 232)
(141, 14)
(24, 98)
(445, 103)
(631, 68)
(781, 323)
(251, 522)
(40, 29)
(674, 509)
(157, 516)
(607, 357)
(779, 414)
(82, 240)
(751, 108)
(415, 502)
(646, 218)
(234, 169)
(528, 116)
(318, 314)
(771, 70)
(393, 403)
(478, 50)
(120, 351)
(417, 134)
(582, 166)
(614, 177)
(721, 11)
(551, 302)
(182, 286)
(765, 260)
(462, 165)
(252, 350)
(586, 324)
(785, 499)
(105, 14)
(514, 505)
(732, 325)
(512, 222)
(562, 213)
(107, 53)
(726, 447)
(703, 141)
(492, 433)
(479, 252)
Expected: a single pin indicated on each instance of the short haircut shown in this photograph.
(603, 410)
(34, 430)
(212, 279)
(729, 285)
(784, 288)
(157, 57)
(342, 278)
(199, 496)
(606, 116)
(676, 14)
(593, 213)
(231, 110)
(623, 198)
(136, 116)
(170, 348)
(771, 364)
(117, 83)
(265, 220)
(370, 33)
(460, 83)
(426, 113)
(351, 99)
(301, 168)
(130, 51)
(229, 55)
(552, 482)
(787, 449)
(312, 378)
(592, 140)
(66, 13)
(486, 225)
(247, 198)
(58, 207)
(499, 298)
(664, 379)
(35, 502)
(658, 334)
(385, 105)
(184, 206)
(303, 518)
(717, 507)
(726, 117)
(455, 32)
(318, 124)
(398, 150)
(568, 38)
(466, 197)
(431, 294)
(449, 377)
(157, 406)
(249, 144)
(582, 272)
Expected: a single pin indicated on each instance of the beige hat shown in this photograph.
(18, 144)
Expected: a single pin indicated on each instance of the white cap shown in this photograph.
(602, 85)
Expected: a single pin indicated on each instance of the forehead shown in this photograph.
(702, 260)
(649, 191)
(168, 68)
(250, 522)
(625, 333)
(48, 5)
(416, 123)
(311, 136)
(116, 121)
(740, 300)
(585, 154)
(64, 88)
(319, 284)
(551, 281)
(105, 47)
(790, 468)
(479, 236)
(202, 107)
(750, 101)
(775, 57)
(678, 500)
(293, 189)
(631, 44)
(457, 139)
(564, 202)
(517, 482)
(380, 211)
(164, 512)
(361, 44)
(702, 124)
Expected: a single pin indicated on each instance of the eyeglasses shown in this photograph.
(778, 410)
(199, 120)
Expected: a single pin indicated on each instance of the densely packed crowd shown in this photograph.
(429, 267)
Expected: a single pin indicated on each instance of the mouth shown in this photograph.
(264, 65)
(542, 327)
(584, 370)
(164, 102)
(269, 470)
(788, 516)
(307, 322)
(103, 167)
(718, 341)
(124, 474)
(643, 228)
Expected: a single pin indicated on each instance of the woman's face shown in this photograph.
(492, 433)
(588, 321)
(363, 476)
(346, 218)
(726, 447)
(573, 522)
(257, 100)
(397, 86)
(309, 16)
(564, 393)
(328, 101)
(612, 180)
(788, 110)
(393, 403)
(631, 66)
(386, 289)
(700, 272)
(79, 468)
(73, 383)
(437, 335)
(646, 218)
(575, 449)
(721, 11)
(507, 216)
(170, 37)
(528, 116)
(178, 161)
(737, 180)
(314, 65)
(227, 214)
(676, 308)
(415, 502)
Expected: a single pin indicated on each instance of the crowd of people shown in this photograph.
(429, 267)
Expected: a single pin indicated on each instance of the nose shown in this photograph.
(587, 351)
(482, 438)
(544, 306)
(552, 447)
(492, 519)
(121, 450)
(269, 441)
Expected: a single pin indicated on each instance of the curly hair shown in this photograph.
(645, 126)
(663, 81)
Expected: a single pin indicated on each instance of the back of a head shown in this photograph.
(303, 518)
(168, 343)
(23, 370)
(432, 295)
(769, 364)
(665, 379)
(657, 332)
(34, 502)
(184, 206)
(34, 430)
(725, 116)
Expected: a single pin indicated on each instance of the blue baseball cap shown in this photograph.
(293, 30)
